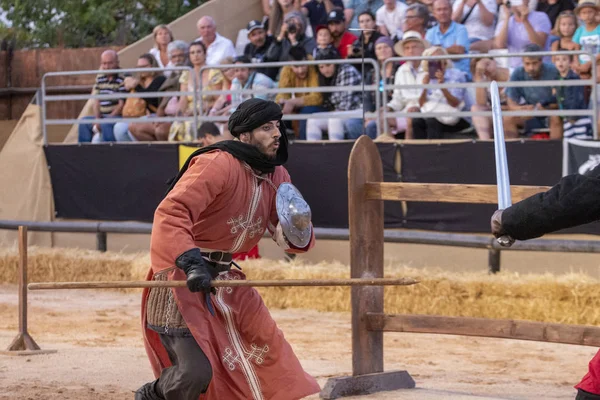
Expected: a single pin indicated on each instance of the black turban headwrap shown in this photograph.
(249, 115)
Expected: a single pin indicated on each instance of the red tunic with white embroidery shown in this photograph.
(221, 204)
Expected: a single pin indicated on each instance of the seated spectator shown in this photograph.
(444, 101)
(290, 36)
(587, 36)
(366, 40)
(384, 49)
(448, 34)
(341, 38)
(317, 10)
(299, 76)
(209, 134)
(571, 98)
(249, 79)
(390, 17)
(145, 82)
(416, 19)
(532, 97)
(219, 79)
(479, 18)
(406, 100)
(279, 9)
(520, 29)
(105, 84)
(217, 46)
(342, 103)
(151, 131)
(354, 8)
(486, 70)
(162, 37)
(256, 50)
(564, 28)
(553, 8)
(324, 39)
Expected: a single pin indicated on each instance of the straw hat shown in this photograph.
(586, 3)
(411, 36)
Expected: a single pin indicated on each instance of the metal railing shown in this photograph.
(320, 89)
(579, 82)
(101, 229)
(73, 97)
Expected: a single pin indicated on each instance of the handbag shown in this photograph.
(439, 106)
(134, 107)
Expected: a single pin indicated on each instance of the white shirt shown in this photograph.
(156, 53)
(218, 50)
(392, 20)
(403, 99)
(476, 28)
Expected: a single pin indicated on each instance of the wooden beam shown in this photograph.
(445, 192)
(484, 327)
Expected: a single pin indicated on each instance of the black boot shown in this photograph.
(583, 395)
(149, 391)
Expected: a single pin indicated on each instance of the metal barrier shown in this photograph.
(320, 89)
(46, 98)
(101, 229)
(580, 82)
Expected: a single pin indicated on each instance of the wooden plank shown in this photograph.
(366, 384)
(366, 255)
(445, 192)
(484, 327)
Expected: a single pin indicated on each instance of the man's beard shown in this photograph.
(264, 150)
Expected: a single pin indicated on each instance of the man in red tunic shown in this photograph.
(220, 343)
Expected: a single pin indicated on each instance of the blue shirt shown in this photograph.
(533, 94)
(455, 35)
(359, 6)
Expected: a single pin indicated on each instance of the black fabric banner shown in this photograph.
(581, 156)
(529, 163)
(104, 182)
(320, 172)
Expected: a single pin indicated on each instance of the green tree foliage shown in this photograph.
(86, 23)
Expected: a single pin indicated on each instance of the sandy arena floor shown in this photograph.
(101, 356)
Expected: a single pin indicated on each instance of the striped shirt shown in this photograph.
(107, 85)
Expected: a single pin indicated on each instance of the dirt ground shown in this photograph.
(100, 354)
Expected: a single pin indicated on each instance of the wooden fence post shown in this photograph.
(366, 261)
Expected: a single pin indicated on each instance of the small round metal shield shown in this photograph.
(294, 215)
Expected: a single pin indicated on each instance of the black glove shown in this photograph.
(199, 273)
(498, 230)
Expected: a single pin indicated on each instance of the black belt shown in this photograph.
(218, 256)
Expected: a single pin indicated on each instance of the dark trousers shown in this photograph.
(187, 379)
(431, 128)
(583, 395)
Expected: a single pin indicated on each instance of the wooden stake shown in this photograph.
(23, 343)
(224, 283)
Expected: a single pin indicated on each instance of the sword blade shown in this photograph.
(502, 179)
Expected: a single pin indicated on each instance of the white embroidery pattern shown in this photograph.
(246, 223)
(256, 354)
(232, 355)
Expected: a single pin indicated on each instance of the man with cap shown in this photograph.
(222, 341)
(256, 50)
(407, 100)
(341, 38)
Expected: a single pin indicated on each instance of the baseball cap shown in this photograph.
(335, 16)
(254, 24)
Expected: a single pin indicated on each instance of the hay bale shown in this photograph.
(567, 298)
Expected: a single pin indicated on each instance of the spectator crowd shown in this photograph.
(346, 38)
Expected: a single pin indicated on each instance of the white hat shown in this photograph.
(407, 37)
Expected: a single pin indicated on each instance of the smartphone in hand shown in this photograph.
(434, 67)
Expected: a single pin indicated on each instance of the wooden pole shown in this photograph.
(366, 254)
(23, 342)
(224, 283)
